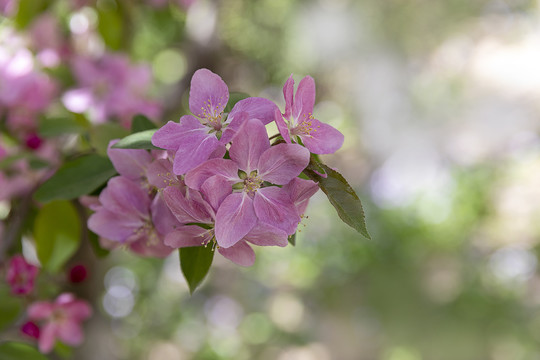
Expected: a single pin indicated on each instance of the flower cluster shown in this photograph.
(60, 319)
(220, 182)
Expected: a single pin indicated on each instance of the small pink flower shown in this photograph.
(298, 124)
(21, 275)
(61, 320)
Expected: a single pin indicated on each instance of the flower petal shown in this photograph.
(288, 91)
(40, 310)
(300, 190)
(131, 163)
(256, 108)
(152, 248)
(193, 152)
(224, 167)
(47, 338)
(77, 309)
(215, 190)
(248, 146)
(188, 207)
(124, 196)
(283, 162)
(240, 253)
(235, 219)
(267, 235)
(113, 225)
(187, 236)
(274, 207)
(282, 126)
(323, 139)
(163, 219)
(304, 99)
(160, 174)
(167, 136)
(70, 332)
(208, 94)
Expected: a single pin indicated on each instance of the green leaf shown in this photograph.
(6, 162)
(28, 10)
(10, 309)
(102, 134)
(59, 126)
(140, 140)
(76, 178)
(141, 123)
(57, 232)
(292, 239)
(234, 97)
(19, 351)
(195, 263)
(341, 196)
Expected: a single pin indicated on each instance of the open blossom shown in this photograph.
(298, 123)
(253, 166)
(204, 135)
(21, 275)
(190, 206)
(110, 88)
(128, 215)
(60, 319)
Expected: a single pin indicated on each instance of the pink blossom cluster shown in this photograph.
(47, 321)
(25, 91)
(221, 182)
(110, 87)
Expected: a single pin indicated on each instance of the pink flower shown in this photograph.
(254, 166)
(24, 91)
(111, 87)
(21, 275)
(197, 138)
(300, 125)
(129, 215)
(190, 207)
(61, 320)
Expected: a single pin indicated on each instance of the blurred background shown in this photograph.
(439, 104)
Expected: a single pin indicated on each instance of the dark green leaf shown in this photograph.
(10, 309)
(19, 351)
(141, 123)
(140, 140)
(234, 97)
(292, 239)
(60, 126)
(76, 178)
(28, 10)
(341, 196)
(57, 232)
(195, 263)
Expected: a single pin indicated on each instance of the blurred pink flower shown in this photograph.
(111, 88)
(62, 320)
(24, 91)
(21, 275)
(8, 7)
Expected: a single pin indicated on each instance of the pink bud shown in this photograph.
(78, 273)
(33, 141)
(30, 329)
